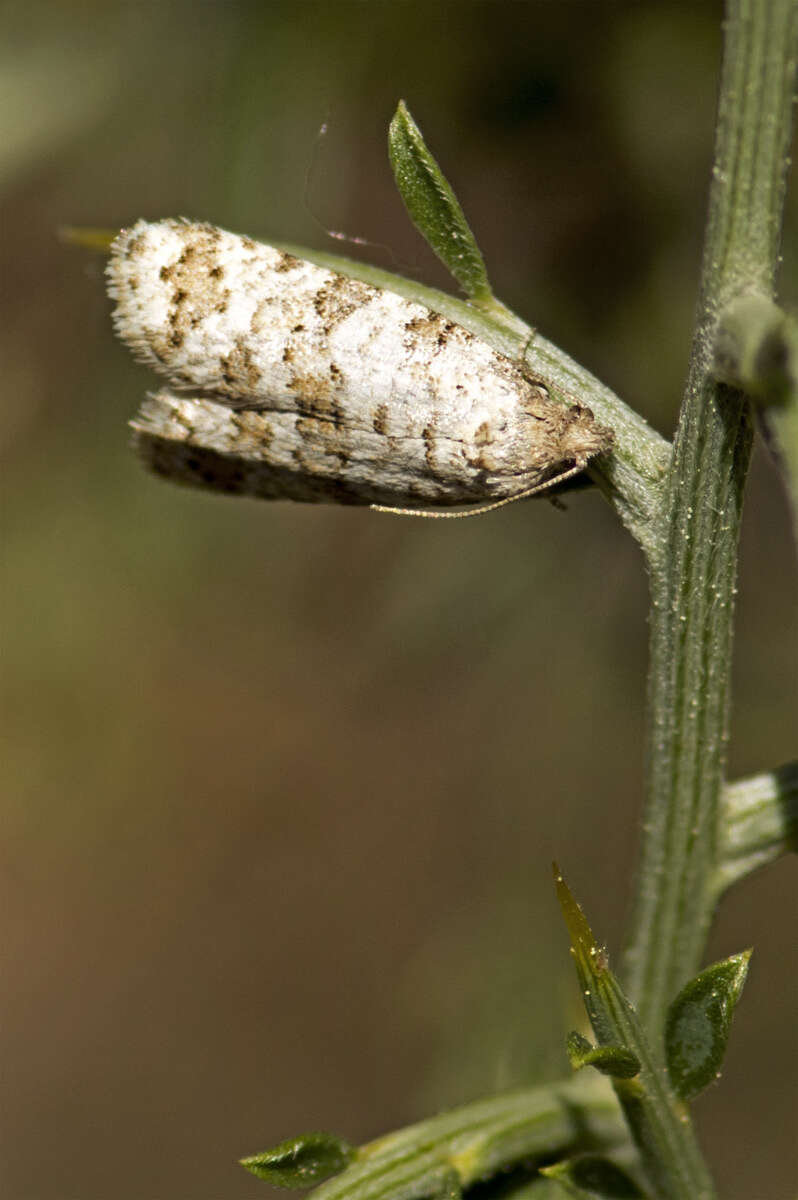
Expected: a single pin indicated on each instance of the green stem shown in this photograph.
(449, 1153)
(693, 578)
(759, 823)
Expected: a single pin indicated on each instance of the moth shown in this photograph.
(289, 381)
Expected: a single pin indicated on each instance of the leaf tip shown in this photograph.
(302, 1161)
(433, 207)
(698, 1024)
(583, 942)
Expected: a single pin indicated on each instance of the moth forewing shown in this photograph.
(289, 380)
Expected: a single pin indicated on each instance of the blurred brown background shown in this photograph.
(283, 783)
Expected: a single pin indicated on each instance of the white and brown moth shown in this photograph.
(287, 380)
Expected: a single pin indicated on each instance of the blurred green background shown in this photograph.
(282, 784)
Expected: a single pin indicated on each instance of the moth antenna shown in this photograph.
(433, 515)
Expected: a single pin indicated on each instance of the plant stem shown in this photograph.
(438, 1157)
(759, 823)
(693, 577)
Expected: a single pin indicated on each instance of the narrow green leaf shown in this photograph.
(302, 1161)
(593, 1176)
(609, 1060)
(590, 959)
(655, 1114)
(698, 1023)
(433, 206)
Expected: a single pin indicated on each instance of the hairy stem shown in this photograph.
(693, 579)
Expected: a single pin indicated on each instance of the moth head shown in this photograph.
(581, 436)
